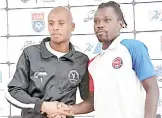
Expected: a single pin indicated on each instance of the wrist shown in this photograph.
(72, 109)
(38, 105)
(149, 116)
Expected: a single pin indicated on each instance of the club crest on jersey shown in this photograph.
(38, 23)
(117, 63)
(73, 76)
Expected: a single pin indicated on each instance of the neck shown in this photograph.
(61, 47)
(107, 43)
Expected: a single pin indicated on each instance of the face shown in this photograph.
(107, 25)
(60, 27)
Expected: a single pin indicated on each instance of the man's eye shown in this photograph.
(50, 24)
(62, 23)
(107, 20)
(96, 21)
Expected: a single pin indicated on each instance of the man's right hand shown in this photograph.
(53, 109)
(49, 107)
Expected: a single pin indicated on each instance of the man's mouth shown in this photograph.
(101, 32)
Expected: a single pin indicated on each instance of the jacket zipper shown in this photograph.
(57, 73)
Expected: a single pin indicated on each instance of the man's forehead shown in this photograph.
(103, 12)
(57, 17)
(60, 13)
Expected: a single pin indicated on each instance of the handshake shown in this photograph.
(57, 109)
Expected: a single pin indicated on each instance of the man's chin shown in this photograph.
(101, 39)
(56, 41)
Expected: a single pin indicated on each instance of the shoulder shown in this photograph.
(32, 50)
(81, 56)
(134, 45)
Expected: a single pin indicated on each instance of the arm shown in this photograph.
(17, 89)
(87, 105)
(152, 94)
(18, 95)
(145, 71)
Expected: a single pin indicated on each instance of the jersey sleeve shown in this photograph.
(141, 62)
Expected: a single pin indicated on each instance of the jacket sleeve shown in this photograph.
(17, 93)
(84, 85)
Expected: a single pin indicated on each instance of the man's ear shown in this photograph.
(73, 27)
(122, 25)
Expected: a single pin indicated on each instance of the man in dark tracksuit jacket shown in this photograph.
(41, 76)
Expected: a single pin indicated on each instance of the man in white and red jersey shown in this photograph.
(124, 79)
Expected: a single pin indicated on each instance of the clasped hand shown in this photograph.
(57, 109)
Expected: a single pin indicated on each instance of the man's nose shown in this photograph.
(55, 27)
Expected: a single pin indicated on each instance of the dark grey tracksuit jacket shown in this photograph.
(41, 76)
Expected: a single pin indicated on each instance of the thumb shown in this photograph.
(66, 113)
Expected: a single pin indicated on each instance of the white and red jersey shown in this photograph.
(117, 74)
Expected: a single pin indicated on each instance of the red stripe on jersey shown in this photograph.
(91, 83)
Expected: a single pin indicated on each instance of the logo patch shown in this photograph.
(73, 76)
(40, 75)
(38, 23)
(117, 63)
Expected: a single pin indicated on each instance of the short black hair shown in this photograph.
(116, 7)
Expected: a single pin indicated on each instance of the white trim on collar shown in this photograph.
(115, 43)
(112, 46)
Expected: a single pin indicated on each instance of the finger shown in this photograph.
(58, 116)
(63, 116)
(68, 108)
(65, 109)
(59, 105)
(66, 113)
(63, 104)
(51, 116)
(71, 108)
(48, 116)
